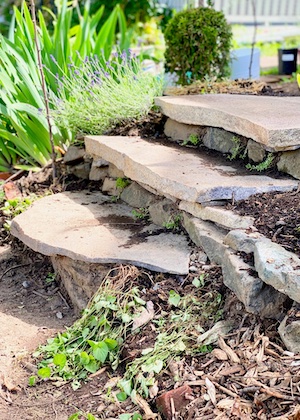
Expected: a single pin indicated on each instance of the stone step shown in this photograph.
(89, 227)
(273, 122)
(180, 173)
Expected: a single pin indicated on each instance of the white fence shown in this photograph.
(241, 11)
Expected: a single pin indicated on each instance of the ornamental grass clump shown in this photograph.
(98, 94)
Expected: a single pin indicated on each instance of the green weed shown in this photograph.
(142, 213)
(263, 166)
(16, 206)
(237, 150)
(98, 337)
(122, 183)
(192, 139)
(174, 222)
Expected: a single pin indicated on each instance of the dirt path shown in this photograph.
(30, 312)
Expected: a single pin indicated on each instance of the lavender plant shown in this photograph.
(98, 94)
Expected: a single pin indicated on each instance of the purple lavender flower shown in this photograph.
(53, 58)
(124, 55)
(115, 54)
(106, 74)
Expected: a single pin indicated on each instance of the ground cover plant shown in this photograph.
(118, 313)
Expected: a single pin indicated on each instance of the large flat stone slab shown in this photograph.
(272, 121)
(180, 173)
(87, 227)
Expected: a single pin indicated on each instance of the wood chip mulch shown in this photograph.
(247, 376)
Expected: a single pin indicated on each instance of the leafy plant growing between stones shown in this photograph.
(174, 222)
(263, 166)
(192, 139)
(114, 315)
(238, 151)
(122, 183)
(142, 213)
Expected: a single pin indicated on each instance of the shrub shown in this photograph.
(198, 44)
(98, 93)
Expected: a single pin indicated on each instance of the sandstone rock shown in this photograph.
(109, 187)
(5, 253)
(252, 291)
(289, 162)
(290, 334)
(220, 140)
(161, 212)
(74, 155)
(225, 218)
(138, 197)
(82, 170)
(255, 151)
(180, 397)
(98, 173)
(271, 121)
(206, 236)
(114, 172)
(80, 279)
(240, 240)
(180, 173)
(94, 230)
(278, 267)
(179, 131)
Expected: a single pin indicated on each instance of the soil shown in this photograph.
(248, 375)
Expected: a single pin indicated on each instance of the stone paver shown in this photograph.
(278, 267)
(271, 121)
(86, 227)
(180, 173)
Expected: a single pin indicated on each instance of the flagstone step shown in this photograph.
(274, 122)
(180, 173)
(89, 227)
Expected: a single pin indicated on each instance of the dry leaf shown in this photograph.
(221, 328)
(228, 350)
(145, 316)
(153, 390)
(211, 390)
(11, 191)
(219, 354)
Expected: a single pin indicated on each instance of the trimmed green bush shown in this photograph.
(198, 44)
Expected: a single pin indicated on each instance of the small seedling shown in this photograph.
(192, 139)
(174, 222)
(141, 213)
(263, 166)
(199, 281)
(122, 183)
(238, 150)
(51, 277)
